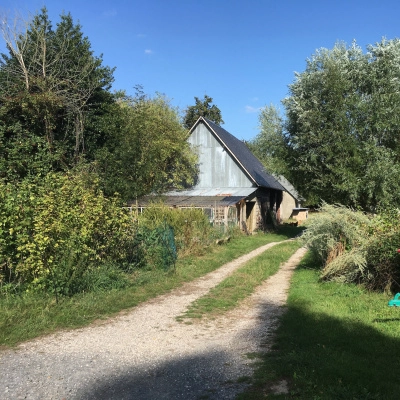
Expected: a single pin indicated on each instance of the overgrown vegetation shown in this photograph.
(71, 153)
(63, 236)
(334, 342)
(339, 139)
(356, 248)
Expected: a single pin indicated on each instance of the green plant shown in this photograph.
(190, 225)
(334, 230)
(56, 229)
(353, 247)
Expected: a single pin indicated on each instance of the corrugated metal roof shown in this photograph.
(193, 201)
(289, 187)
(244, 156)
(221, 192)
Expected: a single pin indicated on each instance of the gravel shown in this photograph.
(146, 354)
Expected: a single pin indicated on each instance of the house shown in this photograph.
(232, 186)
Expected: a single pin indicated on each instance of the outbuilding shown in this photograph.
(232, 186)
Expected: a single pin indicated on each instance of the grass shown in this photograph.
(241, 283)
(335, 342)
(23, 318)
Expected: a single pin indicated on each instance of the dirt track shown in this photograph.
(147, 354)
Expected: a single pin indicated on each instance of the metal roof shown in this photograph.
(220, 192)
(289, 187)
(243, 156)
(193, 201)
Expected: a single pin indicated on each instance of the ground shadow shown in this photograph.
(205, 376)
(326, 358)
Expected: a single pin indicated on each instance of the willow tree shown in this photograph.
(269, 145)
(342, 129)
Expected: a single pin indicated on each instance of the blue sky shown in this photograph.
(241, 53)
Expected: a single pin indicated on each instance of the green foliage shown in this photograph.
(51, 85)
(269, 145)
(202, 108)
(146, 150)
(334, 230)
(55, 231)
(341, 136)
(191, 226)
(355, 248)
(156, 247)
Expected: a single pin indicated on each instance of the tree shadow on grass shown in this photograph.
(290, 231)
(335, 359)
(322, 357)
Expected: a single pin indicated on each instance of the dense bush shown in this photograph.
(191, 226)
(356, 248)
(61, 235)
(56, 231)
(335, 229)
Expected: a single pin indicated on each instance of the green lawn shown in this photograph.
(335, 342)
(242, 282)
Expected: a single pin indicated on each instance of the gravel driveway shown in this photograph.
(147, 354)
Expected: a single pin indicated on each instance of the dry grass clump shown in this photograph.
(356, 248)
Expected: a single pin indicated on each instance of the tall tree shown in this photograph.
(342, 125)
(269, 145)
(202, 108)
(48, 83)
(147, 149)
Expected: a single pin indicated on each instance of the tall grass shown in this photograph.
(356, 248)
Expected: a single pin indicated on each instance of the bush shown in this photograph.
(355, 248)
(156, 247)
(335, 229)
(191, 226)
(55, 231)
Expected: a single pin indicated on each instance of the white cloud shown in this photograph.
(250, 109)
(110, 13)
(148, 51)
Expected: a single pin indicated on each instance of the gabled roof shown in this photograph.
(240, 152)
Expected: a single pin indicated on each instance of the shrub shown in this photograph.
(355, 248)
(334, 230)
(191, 226)
(56, 230)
